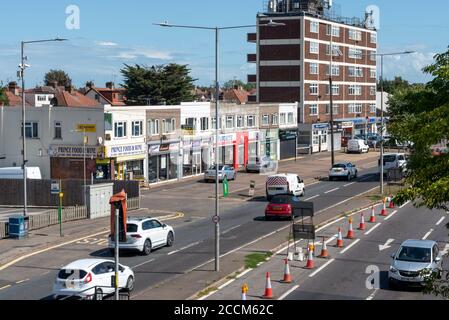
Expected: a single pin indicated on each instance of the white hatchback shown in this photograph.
(91, 278)
(144, 235)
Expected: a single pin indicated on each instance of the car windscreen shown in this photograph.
(391, 158)
(71, 274)
(213, 168)
(339, 165)
(412, 254)
(131, 227)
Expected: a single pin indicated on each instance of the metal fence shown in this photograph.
(3, 230)
(133, 203)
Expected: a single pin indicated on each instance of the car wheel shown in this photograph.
(303, 192)
(331, 178)
(391, 284)
(234, 177)
(356, 174)
(130, 284)
(147, 247)
(170, 239)
(349, 177)
(98, 294)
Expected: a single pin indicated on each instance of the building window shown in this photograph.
(137, 128)
(355, 53)
(335, 89)
(372, 108)
(204, 124)
(373, 38)
(355, 35)
(373, 73)
(314, 47)
(355, 108)
(372, 91)
(355, 90)
(335, 70)
(214, 123)
(313, 89)
(265, 120)
(240, 122)
(335, 50)
(31, 130)
(336, 31)
(168, 125)
(274, 119)
(282, 118)
(229, 122)
(314, 26)
(291, 118)
(314, 68)
(250, 120)
(355, 72)
(58, 130)
(191, 123)
(153, 127)
(313, 109)
(120, 129)
(373, 56)
(336, 107)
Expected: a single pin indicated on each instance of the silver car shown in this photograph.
(224, 171)
(411, 259)
(343, 170)
(261, 164)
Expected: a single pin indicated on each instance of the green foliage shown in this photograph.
(3, 98)
(170, 84)
(239, 83)
(391, 86)
(59, 76)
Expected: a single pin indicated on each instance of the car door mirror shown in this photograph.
(437, 259)
(164, 226)
(393, 255)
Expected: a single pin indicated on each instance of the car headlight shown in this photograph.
(393, 270)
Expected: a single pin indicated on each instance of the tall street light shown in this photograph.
(217, 102)
(22, 68)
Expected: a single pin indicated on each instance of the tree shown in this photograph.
(170, 84)
(421, 115)
(3, 97)
(391, 86)
(239, 83)
(59, 76)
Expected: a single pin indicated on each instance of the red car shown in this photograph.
(281, 206)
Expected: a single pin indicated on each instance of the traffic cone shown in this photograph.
(384, 208)
(310, 263)
(324, 252)
(373, 216)
(350, 234)
(287, 275)
(391, 206)
(362, 223)
(339, 239)
(244, 291)
(268, 290)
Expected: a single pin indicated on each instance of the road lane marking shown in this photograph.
(226, 284)
(331, 239)
(441, 220)
(372, 229)
(5, 287)
(22, 281)
(404, 204)
(141, 264)
(244, 272)
(321, 268)
(208, 295)
(350, 246)
(314, 197)
(392, 214)
(333, 190)
(189, 246)
(230, 229)
(427, 234)
(288, 292)
(349, 184)
(172, 252)
(372, 295)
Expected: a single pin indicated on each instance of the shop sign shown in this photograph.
(272, 134)
(320, 126)
(87, 128)
(226, 139)
(153, 149)
(347, 125)
(288, 135)
(126, 150)
(75, 151)
(164, 147)
(254, 136)
(197, 144)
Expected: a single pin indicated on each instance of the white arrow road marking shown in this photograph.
(386, 245)
(427, 234)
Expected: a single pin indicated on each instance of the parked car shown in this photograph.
(394, 161)
(374, 141)
(261, 164)
(144, 235)
(411, 259)
(281, 206)
(17, 173)
(91, 278)
(344, 170)
(284, 184)
(223, 171)
(357, 146)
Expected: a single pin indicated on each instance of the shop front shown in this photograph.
(163, 162)
(127, 160)
(269, 145)
(196, 156)
(227, 149)
(314, 136)
(358, 127)
(287, 140)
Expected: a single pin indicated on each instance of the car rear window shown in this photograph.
(280, 200)
(72, 274)
(340, 165)
(131, 227)
(391, 158)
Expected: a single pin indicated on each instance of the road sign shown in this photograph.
(252, 187)
(216, 219)
(225, 187)
(55, 187)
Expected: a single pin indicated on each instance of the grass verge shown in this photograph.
(252, 260)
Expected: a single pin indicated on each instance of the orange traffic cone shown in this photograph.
(268, 290)
(287, 275)
(391, 206)
(373, 216)
(339, 239)
(362, 223)
(384, 209)
(310, 263)
(350, 234)
(324, 252)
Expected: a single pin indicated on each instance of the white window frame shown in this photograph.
(335, 89)
(314, 110)
(232, 119)
(137, 124)
(282, 118)
(312, 88)
(335, 70)
(240, 122)
(335, 51)
(120, 125)
(355, 90)
(153, 127)
(355, 108)
(57, 124)
(274, 119)
(373, 108)
(168, 125)
(314, 47)
(373, 38)
(314, 27)
(372, 90)
(373, 73)
(253, 120)
(355, 35)
(204, 123)
(290, 118)
(314, 68)
(354, 53)
(265, 120)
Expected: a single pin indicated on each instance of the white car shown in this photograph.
(344, 170)
(91, 278)
(357, 146)
(286, 183)
(144, 235)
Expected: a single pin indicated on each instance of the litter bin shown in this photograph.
(18, 227)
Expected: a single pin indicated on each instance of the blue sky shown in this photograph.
(115, 32)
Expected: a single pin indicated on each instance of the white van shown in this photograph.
(17, 173)
(394, 161)
(285, 184)
(357, 146)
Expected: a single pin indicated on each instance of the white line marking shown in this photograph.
(207, 296)
(230, 229)
(141, 264)
(349, 184)
(392, 214)
(288, 292)
(331, 239)
(5, 287)
(321, 268)
(332, 190)
(244, 272)
(173, 252)
(372, 229)
(371, 296)
(226, 284)
(427, 234)
(350, 246)
(189, 246)
(404, 205)
(21, 281)
(441, 220)
(329, 224)
(312, 197)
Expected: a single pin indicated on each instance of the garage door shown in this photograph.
(288, 149)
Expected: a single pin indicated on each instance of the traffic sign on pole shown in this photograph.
(216, 219)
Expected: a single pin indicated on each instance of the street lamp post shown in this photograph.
(22, 68)
(217, 104)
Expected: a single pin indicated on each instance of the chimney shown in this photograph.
(69, 89)
(90, 84)
(110, 85)
(14, 88)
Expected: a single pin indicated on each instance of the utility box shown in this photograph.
(18, 227)
(98, 196)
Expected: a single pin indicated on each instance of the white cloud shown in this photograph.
(132, 54)
(107, 43)
(408, 66)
